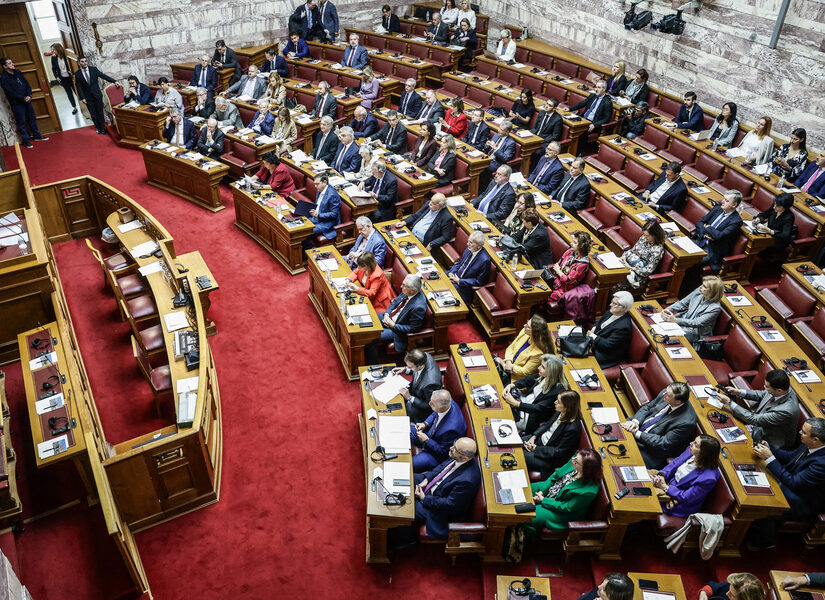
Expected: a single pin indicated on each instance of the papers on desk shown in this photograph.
(566, 81)
(686, 244)
(398, 233)
(127, 227)
(771, 335)
(395, 476)
(340, 284)
(454, 47)
(516, 178)
(524, 133)
(42, 361)
(187, 402)
(484, 394)
(144, 249)
(388, 388)
(651, 595)
(678, 353)
(790, 189)
(474, 153)
(393, 433)
(621, 101)
(700, 391)
(175, 320)
(337, 180)
(647, 215)
(327, 264)
(669, 227)
(474, 361)
(171, 149)
(579, 375)
(739, 301)
(669, 125)
(403, 165)
(443, 298)
(817, 280)
(753, 479)
(700, 189)
(669, 329)
(512, 486)
(604, 415)
(319, 165)
(155, 267)
(634, 474)
(303, 119)
(731, 434)
(52, 447)
(265, 139)
(610, 260)
(648, 156)
(456, 201)
(358, 314)
(510, 439)
(210, 165)
(131, 104)
(806, 376)
(428, 267)
(353, 192)
(621, 196)
(761, 169)
(187, 384)
(564, 330)
(485, 82)
(49, 404)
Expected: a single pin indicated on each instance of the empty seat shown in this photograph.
(733, 180)
(621, 237)
(706, 168)
(601, 216)
(637, 355)
(741, 357)
(679, 152)
(607, 159)
(786, 301)
(634, 177)
(668, 107)
(653, 139)
(644, 383)
(689, 216)
(810, 335)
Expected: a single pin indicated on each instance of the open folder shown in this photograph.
(303, 208)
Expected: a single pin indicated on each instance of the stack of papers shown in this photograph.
(484, 392)
(127, 227)
(610, 260)
(395, 477)
(581, 374)
(512, 486)
(677, 353)
(358, 314)
(731, 434)
(564, 330)
(42, 361)
(143, 249)
(456, 201)
(175, 320)
(393, 434)
(510, 439)
(49, 404)
(327, 264)
(605, 415)
(154, 267)
(443, 298)
(806, 376)
(474, 361)
(389, 389)
(187, 402)
(687, 244)
(630, 474)
(753, 479)
(771, 335)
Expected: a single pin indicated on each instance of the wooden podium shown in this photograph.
(136, 126)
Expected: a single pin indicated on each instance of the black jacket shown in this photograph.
(422, 388)
(611, 345)
(537, 246)
(398, 143)
(782, 225)
(542, 407)
(603, 112)
(330, 148)
(668, 437)
(448, 164)
(674, 198)
(548, 126)
(560, 448)
(387, 195)
(213, 150)
(90, 90)
(441, 229)
(205, 112)
(56, 66)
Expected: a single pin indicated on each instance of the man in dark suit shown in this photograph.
(547, 126)
(794, 582)
(446, 493)
(19, 94)
(499, 198)
(668, 191)
(574, 190)
(210, 141)
(405, 315)
(347, 159)
(598, 107)
(329, 20)
(478, 133)
(665, 426)
(535, 239)
(205, 76)
(393, 136)
(800, 473)
(326, 143)
(355, 55)
(296, 47)
(431, 110)
(812, 179)
(325, 102)
(86, 79)
(437, 433)
(383, 188)
(432, 224)
(276, 62)
(549, 172)
(327, 212)
(438, 32)
(307, 21)
(179, 131)
(718, 230)
(364, 124)
(472, 270)
(691, 116)
(204, 106)
(225, 58)
(410, 102)
(426, 379)
(389, 21)
(611, 335)
(140, 92)
(501, 146)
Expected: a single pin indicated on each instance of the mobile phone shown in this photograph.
(751, 468)
(594, 405)
(648, 584)
(609, 438)
(621, 493)
(642, 491)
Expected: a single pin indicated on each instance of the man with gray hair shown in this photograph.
(368, 240)
(227, 114)
(436, 434)
(326, 143)
(501, 146)
(325, 103)
(347, 159)
(634, 121)
(431, 110)
(205, 76)
(410, 102)
(405, 315)
(498, 199)
(438, 32)
(204, 105)
(549, 172)
(611, 335)
(249, 85)
(472, 270)
(263, 120)
(363, 124)
(179, 131)
(574, 190)
(393, 136)
(210, 141)
(432, 224)
(383, 188)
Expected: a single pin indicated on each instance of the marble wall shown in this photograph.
(723, 54)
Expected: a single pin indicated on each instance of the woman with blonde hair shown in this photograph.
(739, 586)
(369, 88)
(533, 397)
(275, 90)
(617, 80)
(697, 312)
(63, 72)
(757, 146)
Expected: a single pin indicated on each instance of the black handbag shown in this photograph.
(709, 349)
(576, 344)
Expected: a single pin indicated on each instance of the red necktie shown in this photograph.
(399, 307)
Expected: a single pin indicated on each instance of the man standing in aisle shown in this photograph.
(88, 90)
(19, 93)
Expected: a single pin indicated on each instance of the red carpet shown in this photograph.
(290, 520)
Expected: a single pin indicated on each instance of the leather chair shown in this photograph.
(532, 83)
(762, 200)
(565, 140)
(786, 301)
(336, 55)
(603, 216)
(454, 88)
(644, 384)
(723, 323)
(345, 228)
(508, 77)
(689, 216)
(668, 107)
(706, 168)
(621, 237)
(441, 57)
(119, 263)
(497, 302)
(753, 382)
(809, 333)
(330, 77)
(575, 98)
(460, 182)
(637, 356)
(405, 71)
(805, 240)
(708, 120)
(453, 384)
(150, 340)
(397, 46)
(479, 96)
(812, 532)
(423, 339)
(242, 159)
(306, 73)
(159, 378)
(742, 357)
(554, 91)
(404, 205)
(653, 139)
(453, 249)
(634, 176)
(735, 264)
(486, 69)
(658, 283)
(607, 160)
(679, 152)
(733, 180)
(566, 68)
(380, 65)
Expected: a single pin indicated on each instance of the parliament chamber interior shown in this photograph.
(424, 300)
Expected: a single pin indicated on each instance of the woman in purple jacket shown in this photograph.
(690, 477)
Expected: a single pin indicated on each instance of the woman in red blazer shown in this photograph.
(369, 280)
(455, 121)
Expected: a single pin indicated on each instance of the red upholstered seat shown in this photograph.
(787, 301)
(405, 197)
(454, 87)
(644, 384)
(742, 357)
(600, 217)
(805, 228)
(498, 303)
(142, 308)
(720, 501)
(653, 139)
(132, 285)
(634, 176)
(151, 338)
(810, 335)
(706, 168)
(454, 249)
(690, 215)
(679, 152)
(461, 180)
(242, 159)
(753, 382)
(532, 83)
(658, 283)
(479, 96)
(161, 379)
(567, 68)
(486, 69)
(452, 382)
(607, 159)
(733, 180)
(637, 357)
(118, 262)
(553, 91)
(668, 107)
(621, 237)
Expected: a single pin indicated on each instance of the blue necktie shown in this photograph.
(485, 203)
(593, 107)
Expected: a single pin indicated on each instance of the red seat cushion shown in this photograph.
(117, 262)
(161, 379)
(132, 285)
(142, 307)
(152, 338)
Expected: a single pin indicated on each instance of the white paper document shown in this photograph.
(731, 434)
(700, 390)
(127, 227)
(143, 249)
(603, 415)
(564, 330)
(806, 376)
(771, 335)
(394, 476)
(394, 434)
(175, 320)
(456, 201)
(328, 264)
(739, 301)
(687, 244)
(52, 447)
(474, 361)
(155, 267)
(680, 352)
(753, 479)
(610, 260)
(187, 402)
(42, 361)
(389, 388)
(669, 329)
(49, 404)
(187, 384)
(634, 474)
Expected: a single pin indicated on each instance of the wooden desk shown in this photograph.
(10, 505)
(805, 281)
(668, 583)
(305, 129)
(499, 516)
(349, 103)
(750, 504)
(256, 55)
(264, 224)
(380, 518)
(136, 126)
(184, 177)
(388, 85)
(183, 72)
(349, 340)
(443, 316)
(372, 36)
(540, 584)
(775, 583)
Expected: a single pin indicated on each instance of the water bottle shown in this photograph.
(781, 183)
(514, 262)
(342, 303)
(715, 145)
(328, 276)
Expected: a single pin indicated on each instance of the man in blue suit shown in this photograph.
(598, 107)
(498, 199)
(691, 116)
(446, 493)
(478, 134)
(549, 172)
(472, 270)
(307, 21)
(347, 159)
(263, 120)
(501, 146)
(405, 315)
(329, 20)
(206, 76)
(368, 240)
(438, 432)
(410, 102)
(718, 229)
(296, 47)
(364, 124)
(275, 62)
(668, 191)
(355, 55)
(812, 179)
(326, 143)
(180, 131)
(574, 190)
(800, 473)
(137, 91)
(383, 188)
(327, 212)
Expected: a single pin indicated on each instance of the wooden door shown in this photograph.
(66, 24)
(18, 42)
